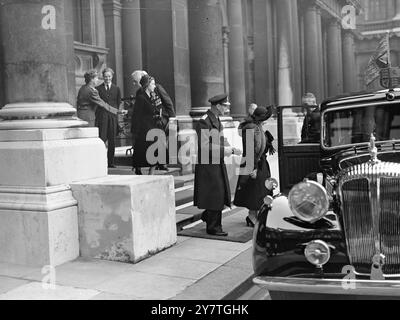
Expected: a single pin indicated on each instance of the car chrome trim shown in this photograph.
(371, 230)
(330, 286)
(363, 155)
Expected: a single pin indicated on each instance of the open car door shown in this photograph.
(298, 157)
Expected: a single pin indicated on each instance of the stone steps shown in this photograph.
(127, 170)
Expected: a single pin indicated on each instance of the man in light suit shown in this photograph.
(107, 121)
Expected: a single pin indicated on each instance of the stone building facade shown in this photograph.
(263, 51)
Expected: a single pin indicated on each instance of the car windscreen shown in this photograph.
(355, 125)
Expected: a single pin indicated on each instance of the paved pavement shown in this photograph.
(194, 269)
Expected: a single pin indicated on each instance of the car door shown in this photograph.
(297, 158)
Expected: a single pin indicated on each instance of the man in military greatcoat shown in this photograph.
(211, 185)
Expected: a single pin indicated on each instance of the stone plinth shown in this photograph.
(38, 215)
(38, 226)
(125, 218)
(50, 157)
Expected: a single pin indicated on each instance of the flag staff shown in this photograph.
(389, 61)
(388, 48)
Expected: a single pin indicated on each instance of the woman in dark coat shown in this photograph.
(251, 190)
(147, 115)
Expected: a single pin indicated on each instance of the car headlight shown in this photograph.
(317, 253)
(309, 201)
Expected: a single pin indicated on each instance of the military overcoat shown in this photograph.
(211, 184)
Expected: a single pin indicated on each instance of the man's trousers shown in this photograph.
(108, 124)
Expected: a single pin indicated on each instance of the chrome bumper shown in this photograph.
(330, 286)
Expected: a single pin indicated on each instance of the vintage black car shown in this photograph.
(334, 230)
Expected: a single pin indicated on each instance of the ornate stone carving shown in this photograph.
(88, 57)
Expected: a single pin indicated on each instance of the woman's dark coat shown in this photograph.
(250, 193)
(211, 184)
(143, 120)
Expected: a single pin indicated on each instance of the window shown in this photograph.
(84, 21)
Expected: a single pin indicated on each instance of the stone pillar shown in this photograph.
(237, 82)
(38, 214)
(132, 41)
(335, 64)
(285, 68)
(295, 49)
(225, 44)
(206, 52)
(349, 63)
(264, 63)
(70, 54)
(112, 14)
(39, 71)
(397, 16)
(313, 51)
(166, 48)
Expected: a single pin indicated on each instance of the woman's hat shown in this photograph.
(262, 114)
(145, 81)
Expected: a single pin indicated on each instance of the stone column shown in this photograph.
(335, 64)
(264, 63)
(206, 52)
(38, 214)
(313, 51)
(132, 41)
(236, 59)
(225, 44)
(285, 68)
(112, 14)
(397, 17)
(349, 63)
(33, 70)
(70, 53)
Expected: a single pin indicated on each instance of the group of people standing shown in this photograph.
(153, 107)
(99, 106)
(212, 190)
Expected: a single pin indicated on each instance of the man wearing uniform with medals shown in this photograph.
(211, 185)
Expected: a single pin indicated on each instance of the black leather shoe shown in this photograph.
(218, 233)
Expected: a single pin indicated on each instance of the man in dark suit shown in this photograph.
(211, 184)
(107, 122)
(311, 130)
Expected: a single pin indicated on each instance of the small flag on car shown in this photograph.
(380, 60)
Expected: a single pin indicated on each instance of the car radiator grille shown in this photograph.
(370, 196)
